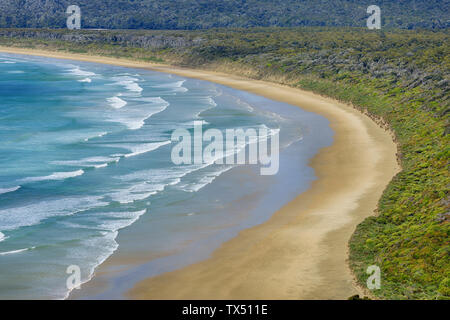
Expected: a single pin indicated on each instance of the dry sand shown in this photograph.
(301, 252)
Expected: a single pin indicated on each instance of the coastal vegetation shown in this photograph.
(398, 77)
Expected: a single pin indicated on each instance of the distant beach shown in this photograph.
(300, 252)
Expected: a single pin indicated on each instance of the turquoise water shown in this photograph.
(85, 152)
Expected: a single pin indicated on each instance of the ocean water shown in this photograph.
(85, 154)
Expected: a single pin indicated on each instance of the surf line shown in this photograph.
(231, 150)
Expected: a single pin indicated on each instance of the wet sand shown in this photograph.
(301, 252)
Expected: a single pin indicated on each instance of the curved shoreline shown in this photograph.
(301, 252)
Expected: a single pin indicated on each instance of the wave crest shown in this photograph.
(56, 176)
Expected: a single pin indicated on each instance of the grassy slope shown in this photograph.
(401, 77)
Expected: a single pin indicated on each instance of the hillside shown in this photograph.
(201, 14)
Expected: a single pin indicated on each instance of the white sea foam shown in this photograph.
(211, 103)
(129, 74)
(133, 86)
(55, 176)
(106, 245)
(116, 102)
(209, 177)
(112, 222)
(104, 221)
(100, 159)
(133, 124)
(204, 181)
(11, 59)
(82, 73)
(88, 80)
(101, 134)
(2, 237)
(143, 148)
(81, 163)
(155, 100)
(130, 83)
(174, 86)
(8, 190)
(244, 104)
(63, 137)
(130, 195)
(135, 115)
(32, 214)
(16, 72)
(16, 251)
(153, 181)
(142, 184)
(95, 162)
(99, 166)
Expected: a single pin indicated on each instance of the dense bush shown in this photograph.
(200, 14)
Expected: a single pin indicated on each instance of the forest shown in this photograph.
(204, 14)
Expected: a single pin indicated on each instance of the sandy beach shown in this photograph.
(301, 252)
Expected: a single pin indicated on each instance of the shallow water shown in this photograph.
(85, 162)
